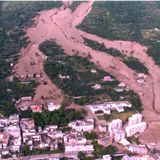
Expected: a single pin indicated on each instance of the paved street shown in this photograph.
(43, 156)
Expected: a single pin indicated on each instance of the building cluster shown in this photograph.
(43, 138)
(25, 103)
(85, 125)
(134, 126)
(15, 133)
(10, 135)
(74, 141)
(107, 107)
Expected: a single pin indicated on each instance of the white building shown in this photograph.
(115, 124)
(14, 130)
(144, 157)
(97, 86)
(124, 142)
(135, 125)
(14, 119)
(117, 135)
(51, 106)
(115, 130)
(27, 98)
(82, 125)
(78, 148)
(134, 119)
(138, 149)
(105, 157)
(137, 128)
(63, 76)
(108, 106)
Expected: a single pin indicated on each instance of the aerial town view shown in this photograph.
(80, 80)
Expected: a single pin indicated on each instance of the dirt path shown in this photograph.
(61, 26)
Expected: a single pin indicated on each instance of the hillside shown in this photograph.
(133, 21)
(14, 18)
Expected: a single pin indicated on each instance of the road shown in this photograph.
(44, 156)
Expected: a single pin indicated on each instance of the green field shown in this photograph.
(115, 115)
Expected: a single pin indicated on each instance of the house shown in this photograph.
(85, 125)
(93, 71)
(122, 84)
(124, 142)
(51, 106)
(27, 98)
(104, 140)
(4, 152)
(14, 119)
(52, 132)
(140, 81)
(3, 122)
(97, 86)
(74, 138)
(119, 89)
(142, 75)
(4, 137)
(14, 131)
(15, 144)
(63, 77)
(36, 108)
(24, 108)
(107, 79)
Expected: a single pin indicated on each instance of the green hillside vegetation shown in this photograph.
(14, 18)
(131, 62)
(81, 79)
(134, 21)
(74, 5)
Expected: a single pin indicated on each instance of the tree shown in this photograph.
(81, 156)
(90, 136)
(60, 147)
(25, 150)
